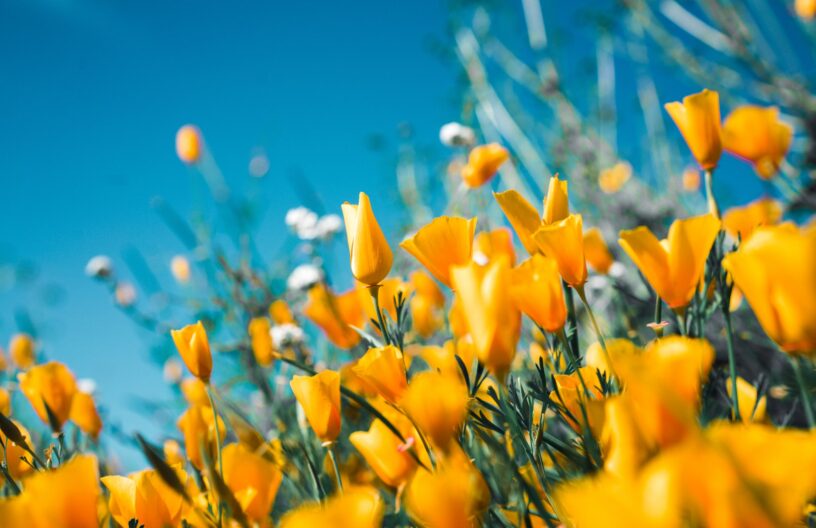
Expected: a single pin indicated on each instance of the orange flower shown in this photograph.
(21, 351)
(85, 415)
(335, 314)
(806, 9)
(691, 180)
(674, 266)
(536, 289)
(319, 396)
(611, 180)
(280, 313)
(357, 507)
(756, 135)
(384, 451)
(16, 455)
(253, 479)
(438, 405)
(740, 222)
(49, 384)
(488, 245)
(383, 368)
(194, 348)
(698, 118)
(262, 347)
(198, 427)
(597, 252)
(189, 144)
(564, 241)
(445, 242)
(525, 219)
(483, 163)
(751, 410)
(370, 254)
(144, 496)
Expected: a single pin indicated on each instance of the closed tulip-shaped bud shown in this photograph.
(194, 348)
(385, 453)
(752, 408)
(490, 316)
(489, 245)
(144, 496)
(483, 163)
(16, 455)
(597, 252)
(280, 313)
(536, 290)
(673, 266)
(698, 118)
(253, 479)
(438, 405)
(446, 242)
(740, 222)
(319, 396)
(198, 427)
(383, 368)
(335, 314)
(756, 135)
(564, 241)
(556, 204)
(85, 415)
(774, 270)
(805, 9)
(21, 351)
(262, 347)
(357, 507)
(369, 252)
(66, 497)
(50, 384)
(189, 144)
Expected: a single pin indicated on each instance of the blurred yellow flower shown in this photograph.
(483, 163)
(15, 454)
(335, 314)
(582, 400)
(172, 452)
(189, 144)
(740, 222)
(198, 428)
(385, 453)
(49, 384)
(357, 507)
(615, 348)
(195, 392)
(625, 448)
(21, 351)
(383, 368)
(806, 9)
(144, 496)
(180, 268)
(489, 245)
(691, 180)
(445, 242)
(564, 241)
(253, 479)
(756, 135)
(597, 252)
(194, 348)
(370, 254)
(319, 396)
(280, 313)
(261, 340)
(5, 401)
(536, 290)
(612, 180)
(84, 414)
(437, 404)
(525, 219)
(751, 409)
(698, 118)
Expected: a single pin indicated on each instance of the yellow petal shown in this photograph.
(371, 256)
(522, 216)
(564, 241)
(698, 118)
(445, 242)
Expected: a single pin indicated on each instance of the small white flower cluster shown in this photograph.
(285, 335)
(457, 135)
(304, 277)
(99, 267)
(307, 225)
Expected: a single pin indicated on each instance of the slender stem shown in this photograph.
(732, 362)
(573, 319)
(330, 448)
(658, 315)
(713, 208)
(597, 328)
(803, 390)
(217, 444)
(375, 294)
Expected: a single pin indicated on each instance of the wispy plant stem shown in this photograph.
(803, 391)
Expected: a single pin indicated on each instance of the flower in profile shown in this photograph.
(438, 405)
(536, 290)
(304, 277)
(260, 337)
(357, 507)
(198, 428)
(698, 118)
(805, 9)
(740, 222)
(612, 180)
(49, 384)
(445, 242)
(564, 241)
(85, 415)
(383, 451)
(757, 135)
(383, 368)
(774, 270)
(597, 252)
(146, 497)
(370, 254)
(21, 351)
(180, 268)
(194, 348)
(189, 144)
(524, 218)
(99, 267)
(674, 266)
(456, 135)
(489, 245)
(691, 180)
(252, 478)
(483, 163)
(335, 314)
(18, 466)
(319, 396)
(752, 407)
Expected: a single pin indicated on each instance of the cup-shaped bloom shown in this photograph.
(16, 455)
(774, 270)
(673, 266)
(189, 144)
(335, 314)
(698, 118)
(483, 163)
(357, 507)
(756, 135)
(596, 252)
(752, 408)
(491, 318)
(437, 404)
(445, 242)
(489, 245)
(50, 384)
(144, 496)
(253, 479)
(21, 351)
(194, 348)
(385, 453)
(740, 222)
(198, 428)
(67, 497)
(319, 396)
(370, 254)
(280, 313)
(383, 368)
(536, 290)
(611, 180)
(556, 204)
(564, 241)
(261, 340)
(85, 415)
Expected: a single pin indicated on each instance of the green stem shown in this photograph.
(573, 319)
(337, 476)
(597, 328)
(375, 294)
(803, 390)
(732, 362)
(574, 359)
(658, 315)
(713, 208)
(217, 445)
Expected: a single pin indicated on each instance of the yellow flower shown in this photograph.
(189, 146)
(172, 452)
(252, 478)
(437, 404)
(625, 449)
(425, 286)
(597, 252)
(180, 268)
(673, 266)
(369, 252)
(194, 348)
(383, 368)
(357, 507)
(616, 348)
(280, 313)
(198, 428)
(806, 9)
(536, 290)
(335, 314)
(17, 467)
(740, 222)
(5, 401)
(195, 392)
(426, 318)
(144, 496)
(572, 395)
(612, 180)
(525, 219)
(751, 410)
(319, 396)
(445, 242)
(691, 180)
(564, 241)
(442, 358)
(756, 135)
(21, 351)
(483, 163)
(698, 118)
(262, 347)
(85, 415)
(774, 270)
(49, 384)
(489, 245)
(385, 453)
(489, 314)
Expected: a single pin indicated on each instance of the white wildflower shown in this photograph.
(86, 385)
(99, 267)
(329, 225)
(286, 335)
(303, 277)
(456, 135)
